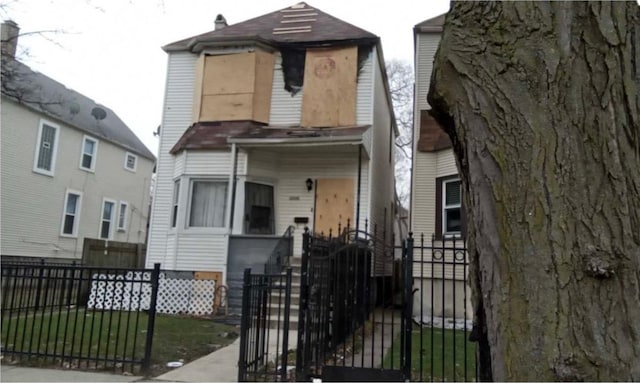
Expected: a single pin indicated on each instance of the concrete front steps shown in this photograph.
(277, 299)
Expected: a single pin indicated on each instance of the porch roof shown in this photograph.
(220, 134)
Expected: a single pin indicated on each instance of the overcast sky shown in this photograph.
(110, 50)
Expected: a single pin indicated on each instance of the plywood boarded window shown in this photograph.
(329, 98)
(236, 87)
(334, 205)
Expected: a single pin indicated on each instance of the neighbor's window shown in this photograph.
(259, 217)
(122, 216)
(208, 203)
(176, 198)
(451, 207)
(106, 224)
(47, 145)
(71, 215)
(130, 161)
(88, 155)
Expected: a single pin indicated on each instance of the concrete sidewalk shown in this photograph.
(10, 373)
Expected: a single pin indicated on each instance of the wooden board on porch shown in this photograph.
(334, 204)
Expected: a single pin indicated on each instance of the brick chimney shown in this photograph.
(9, 33)
(220, 22)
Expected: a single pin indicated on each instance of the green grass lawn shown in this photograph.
(437, 363)
(113, 335)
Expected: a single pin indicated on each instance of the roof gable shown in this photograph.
(299, 23)
(433, 24)
(43, 94)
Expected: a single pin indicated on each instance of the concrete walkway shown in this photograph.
(10, 373)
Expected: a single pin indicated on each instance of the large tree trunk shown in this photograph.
(541, 102)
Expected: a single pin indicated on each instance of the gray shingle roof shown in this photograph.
(300, 23)
(45, 95)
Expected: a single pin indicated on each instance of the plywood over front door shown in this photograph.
(334, 204)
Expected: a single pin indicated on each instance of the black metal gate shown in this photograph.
(357, 320)
(353, 309)
(264, 327)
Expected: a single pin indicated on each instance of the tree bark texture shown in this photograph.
(541, 102)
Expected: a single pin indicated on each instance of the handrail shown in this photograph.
(281, 254)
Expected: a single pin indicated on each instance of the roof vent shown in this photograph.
(220, 22)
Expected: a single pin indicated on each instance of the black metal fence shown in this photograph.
(369, 311)
(79, 317)
(442, 313)
(264, 328)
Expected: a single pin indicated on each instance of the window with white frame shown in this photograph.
(130, 161)
(123, 212)
(88, 155)
(46, 148)
(451, 207)
(106, 223)
(71, 214)
(208, 203)
(176, 198)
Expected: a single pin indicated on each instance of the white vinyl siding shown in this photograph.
(446, 163)
(46, 148)
(88, 154)
(71, 213)
(107, 219)
(423, 193)
(427, 45)
(286, 109)
(130, 162)
(123, 216)
(177, 115)
(382, 171)
(210, 162)
(293, 199)
(364, 88)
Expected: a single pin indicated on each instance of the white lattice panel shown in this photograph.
(133, 292)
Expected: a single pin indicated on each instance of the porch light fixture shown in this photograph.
(309, 183)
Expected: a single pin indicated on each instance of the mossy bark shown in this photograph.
(541, 102)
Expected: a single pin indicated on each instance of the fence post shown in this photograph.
(303, 344)
(408, 306)
(244, 326)
(285, 333)
(155, 278)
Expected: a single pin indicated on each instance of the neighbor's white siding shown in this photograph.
(33, 204)
(382, 158)
(446, 163)
(423, 194)
(426, 45)
(176, 118)
(426, 166)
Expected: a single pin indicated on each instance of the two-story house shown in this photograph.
(270, 125)
(71, 169)
(436, 194)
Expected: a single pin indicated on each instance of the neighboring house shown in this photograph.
(284, 120)
(71, 169)
(436, 193)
